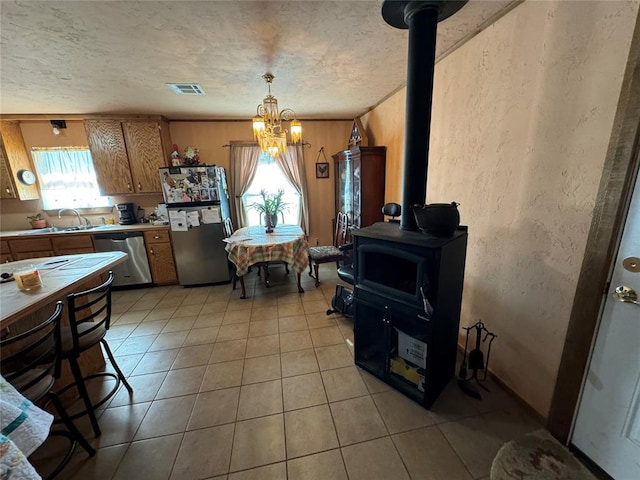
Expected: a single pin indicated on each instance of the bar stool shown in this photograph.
(32, 370)
(89, 320)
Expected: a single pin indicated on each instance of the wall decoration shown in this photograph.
(322, 170)
(322, 167)
(358, 137)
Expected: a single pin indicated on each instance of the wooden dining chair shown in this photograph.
(228, 227)
(31, 363)
(329, 253)
(228, 231)
(89, 321)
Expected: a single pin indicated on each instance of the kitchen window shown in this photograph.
(67, 178)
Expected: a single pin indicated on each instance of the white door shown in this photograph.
(607, 426)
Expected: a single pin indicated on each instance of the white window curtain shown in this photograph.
(292, 164)
(244, 163)
(67, 178)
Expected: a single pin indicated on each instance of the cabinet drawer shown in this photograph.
(30, 245)
(6, 257)
(4, 247)
(67, 242)
(157, 236)
(74, 251)
(25, 255)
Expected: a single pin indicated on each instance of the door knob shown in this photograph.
(626, 295)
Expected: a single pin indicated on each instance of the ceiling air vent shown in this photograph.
(186, 88)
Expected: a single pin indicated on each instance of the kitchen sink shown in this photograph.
(79, 228)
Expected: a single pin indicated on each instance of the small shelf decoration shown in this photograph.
(358, 137)
(322, 168)
(191, 156)
(176, 159)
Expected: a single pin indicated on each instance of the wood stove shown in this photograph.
(408, 285)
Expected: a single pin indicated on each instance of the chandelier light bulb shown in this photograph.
(296, 131)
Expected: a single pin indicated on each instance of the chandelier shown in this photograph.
(267, 127)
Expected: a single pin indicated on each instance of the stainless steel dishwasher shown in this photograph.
(135, 271)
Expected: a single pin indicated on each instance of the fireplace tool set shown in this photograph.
(474, 360)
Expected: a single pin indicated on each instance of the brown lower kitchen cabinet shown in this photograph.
(160, 255)
(72, 244)
(24, 248)
(5, 253)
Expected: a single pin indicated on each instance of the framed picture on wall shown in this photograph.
(322, 170)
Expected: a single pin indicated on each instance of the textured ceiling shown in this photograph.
(330, 59)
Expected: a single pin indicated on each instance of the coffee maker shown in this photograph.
(127, 213)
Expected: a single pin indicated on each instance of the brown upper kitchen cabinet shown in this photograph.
(128, 153)
(6, 182)
(359, 177)
(14, 161)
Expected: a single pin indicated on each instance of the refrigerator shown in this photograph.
(197, 201)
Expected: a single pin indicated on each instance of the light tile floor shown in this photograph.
(265, 388)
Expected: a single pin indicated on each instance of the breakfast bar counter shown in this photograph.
(60, 276)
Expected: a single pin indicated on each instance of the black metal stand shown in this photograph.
(474, 361)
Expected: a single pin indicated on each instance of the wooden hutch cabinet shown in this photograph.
(359, 177)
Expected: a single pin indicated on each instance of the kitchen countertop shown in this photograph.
(136, 227)
(60, 276)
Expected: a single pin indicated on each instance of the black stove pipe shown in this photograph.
(421, 18)
(423, 23)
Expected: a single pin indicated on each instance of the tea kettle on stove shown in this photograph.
(439, 219)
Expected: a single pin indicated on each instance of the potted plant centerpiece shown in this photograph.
(270, 207)
(37, 221)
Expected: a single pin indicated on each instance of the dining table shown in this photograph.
(253, 245)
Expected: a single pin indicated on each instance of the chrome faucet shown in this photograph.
(80, 217)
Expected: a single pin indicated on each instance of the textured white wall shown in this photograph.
(522, 115)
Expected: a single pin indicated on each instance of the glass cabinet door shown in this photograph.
(344, 193)
(356, 205)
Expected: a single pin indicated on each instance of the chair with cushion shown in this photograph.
(329, 253)
(392, 210)
(31, 364)
(89, 319)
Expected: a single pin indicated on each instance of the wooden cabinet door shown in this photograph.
(146, 156)
(70, 244)
(371, 184)
(6, 185)
(109, 153)
(163, 268)
(5, 252)
(17, 158)
(30, 245)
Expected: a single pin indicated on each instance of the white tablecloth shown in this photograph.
(23, 428)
